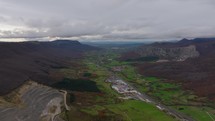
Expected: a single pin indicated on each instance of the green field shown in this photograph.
(106, 106)
(132, 110)
(139, 111)
(168, 93)
(171, 94)
(198, 113)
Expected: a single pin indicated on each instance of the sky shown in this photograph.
(107, 19)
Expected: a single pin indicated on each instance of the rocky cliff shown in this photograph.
(169, 53)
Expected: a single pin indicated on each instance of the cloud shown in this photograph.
(112, 19)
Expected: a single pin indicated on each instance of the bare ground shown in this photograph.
(39, 103)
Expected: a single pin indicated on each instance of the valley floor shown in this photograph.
(177, 100)
(105, 89)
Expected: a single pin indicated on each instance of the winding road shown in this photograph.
(65, 96)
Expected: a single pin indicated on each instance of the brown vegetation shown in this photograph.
(36, 61)
(196, 74)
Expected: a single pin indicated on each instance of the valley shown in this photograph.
(171, 94)
(107, 60)
(103, 86)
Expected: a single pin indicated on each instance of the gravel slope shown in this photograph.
(40, 103)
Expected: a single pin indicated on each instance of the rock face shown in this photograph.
(169, 53)
(195, 74)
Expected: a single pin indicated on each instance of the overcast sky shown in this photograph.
(107, 19)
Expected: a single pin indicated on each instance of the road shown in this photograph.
(143, 97)
(162, 107)
(146, 98)
(65, 95)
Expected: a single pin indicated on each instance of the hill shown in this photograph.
(194, 72)
(21, 61)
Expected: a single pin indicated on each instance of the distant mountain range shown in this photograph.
(178, 51)
(21, 61)
(191, 62)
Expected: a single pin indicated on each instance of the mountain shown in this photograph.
(163, 51)
(196, 72)
(21, 61)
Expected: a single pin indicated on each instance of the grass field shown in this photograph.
(170, 94)
(198, 113)
(166, 92)
(109, 108)
(132, 110)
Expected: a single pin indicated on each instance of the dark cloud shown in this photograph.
(107, 19)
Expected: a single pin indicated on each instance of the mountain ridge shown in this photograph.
(22, 61)
(195, 74)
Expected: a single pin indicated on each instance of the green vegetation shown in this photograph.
(86, 74)
(129, 73)
(145, 59)
(102, 74)
(105, 105)
(77, 85)
(139, 111)
(133, 110)
(168, 93)
(198, 113)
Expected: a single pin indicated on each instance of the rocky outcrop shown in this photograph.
(195, 74)
(169, 53)
(39, 103)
